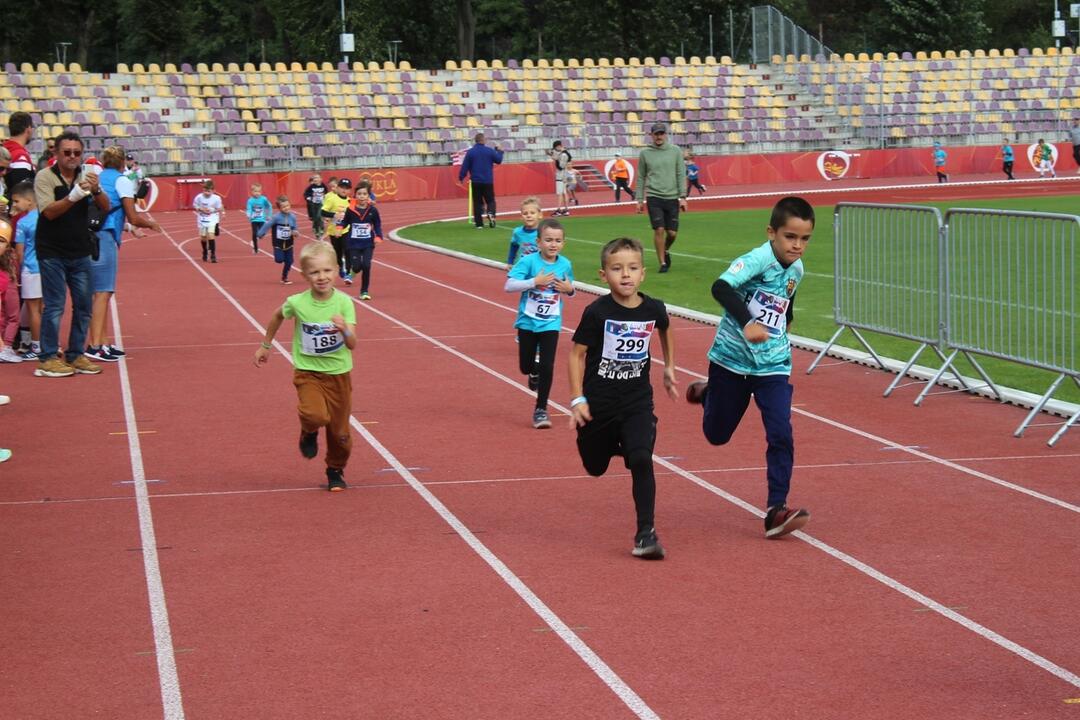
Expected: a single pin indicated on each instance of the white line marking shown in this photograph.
(896, 585)
(631, 699)
(171, 701)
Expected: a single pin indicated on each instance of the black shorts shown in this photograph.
(663, 213)
(603, 438)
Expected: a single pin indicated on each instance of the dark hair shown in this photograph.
(556, 144)
(23, 187)
(549, 223)
(788, 208)
(19, 122)
(364, 183)
(68, 135)
(621, 243)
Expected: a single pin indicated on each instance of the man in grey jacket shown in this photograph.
(1074, 137)
(661, 185)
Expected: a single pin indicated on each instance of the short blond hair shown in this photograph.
(531, 200)
(317, 249)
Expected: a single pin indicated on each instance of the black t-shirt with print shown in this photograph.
(618, 359)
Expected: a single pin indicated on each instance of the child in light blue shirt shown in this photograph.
(258, 212)
(524, 236)
(542, 278)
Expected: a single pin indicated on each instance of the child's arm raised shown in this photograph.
(347, 329)
(262, 355)
(579, 406)
(667, 343)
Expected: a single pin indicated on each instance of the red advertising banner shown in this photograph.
(441, 182)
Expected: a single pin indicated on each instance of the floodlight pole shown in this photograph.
(345, 58)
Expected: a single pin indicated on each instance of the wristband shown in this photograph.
(579, 400)
(347, 333)
(266, 345)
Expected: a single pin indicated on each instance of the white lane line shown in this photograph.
(595, 663)
(171, 701)
(965, 622)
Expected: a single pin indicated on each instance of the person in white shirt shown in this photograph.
(209, 211)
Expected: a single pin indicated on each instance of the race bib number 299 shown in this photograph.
(627, 341)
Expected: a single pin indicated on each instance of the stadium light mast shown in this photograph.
(347, 41)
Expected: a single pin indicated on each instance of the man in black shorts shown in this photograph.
(661, 184)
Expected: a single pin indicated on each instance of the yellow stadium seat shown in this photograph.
(120, 68)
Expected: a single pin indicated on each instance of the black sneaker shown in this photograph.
(534, 381)
(100, 353)
(667, 257)
(541, 421)
(664, 267)
(334, 480)
(695, 392)
(491, 221)
(114, 351)
(213, 258)
(781, 520)
(309, 444)
(647, 546)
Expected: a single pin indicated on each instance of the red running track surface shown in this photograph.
(472, 569)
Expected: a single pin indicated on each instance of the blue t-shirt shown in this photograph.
(939, 157)
(692, 171)
(258, 209)
(767, 288)
(24, 233)
(540, 309)
(282, 227)
(1007, 153)
(523, 239)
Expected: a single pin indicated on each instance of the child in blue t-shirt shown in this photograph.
(751, 354)
(524, 237)
(541, 278)
(258, 210)
(1007, 159)
(692, 172)
(282, 228)
(939, 163)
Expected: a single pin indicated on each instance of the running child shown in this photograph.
(541, 278)
(314, 194)
(334, 206)
(612, 406)
(692, 172)
(363, 231)
(258, 210)
(1044, 156)
(24, 206)
(323, 339)
(1007, 158)
(209, 210)
(939, 162)
(524, 236)
(283, 229)
(751, 354)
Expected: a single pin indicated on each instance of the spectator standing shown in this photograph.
(21, 167)
(661, 185)
(479, 164)
(63, 194)
(1074, 138)
(47, 158)
(561, 157)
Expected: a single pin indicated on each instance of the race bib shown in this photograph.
(320, 338)
(282, 232)
(360, 231)
(540, 305)
(208, 221)
(317, 196)
(769, 310)
(627, 341)
(257, 213)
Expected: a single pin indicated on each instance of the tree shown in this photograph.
(934, 25)
(466, 27)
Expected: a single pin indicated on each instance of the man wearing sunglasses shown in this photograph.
(661, 185)
(20, 130)
(64, 245)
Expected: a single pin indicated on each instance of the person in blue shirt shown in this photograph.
(363, 230)
(258, 211)
(1007, 158)
(751, 353)
(939, 163)
(24, 207)
(542, 278)
(479, 164)
(282, 228)
(692, 172)
(524, 236)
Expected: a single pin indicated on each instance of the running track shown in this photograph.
(167, 552)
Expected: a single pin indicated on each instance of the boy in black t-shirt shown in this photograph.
(609, 364)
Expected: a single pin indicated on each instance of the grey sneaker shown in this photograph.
(647, 546)
(541, 419)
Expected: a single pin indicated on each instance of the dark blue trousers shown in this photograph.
(726, 401)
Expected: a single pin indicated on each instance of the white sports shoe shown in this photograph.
(9, 355)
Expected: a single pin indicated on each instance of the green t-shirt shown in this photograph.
(317, 345)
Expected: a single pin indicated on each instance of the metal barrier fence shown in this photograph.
(1012, 291)
(773, 33)
(993, 283)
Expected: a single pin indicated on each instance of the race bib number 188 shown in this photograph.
(320, 338)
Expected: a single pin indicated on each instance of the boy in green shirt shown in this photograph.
(323, 340)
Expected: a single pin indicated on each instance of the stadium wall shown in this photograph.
(441, 183)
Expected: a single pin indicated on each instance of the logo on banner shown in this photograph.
(383, 184)
(833, 164)
(1034, 156)
(629, 168)
(144, 204)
